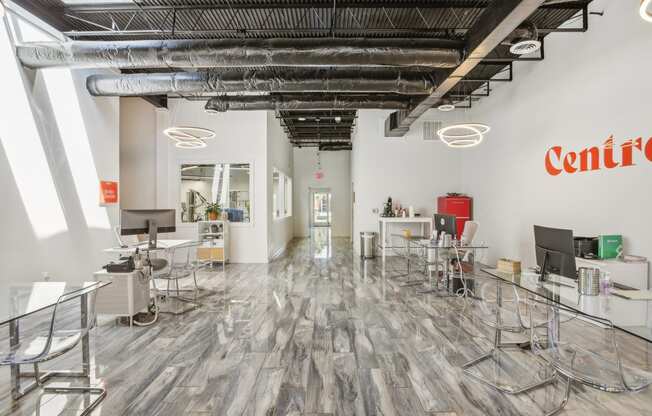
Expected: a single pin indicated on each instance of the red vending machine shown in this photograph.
(460, 206)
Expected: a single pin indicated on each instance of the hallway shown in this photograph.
(308, 336)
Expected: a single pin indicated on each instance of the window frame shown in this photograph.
(282, 177)
(211, 161)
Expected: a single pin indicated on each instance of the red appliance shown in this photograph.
(460, 206)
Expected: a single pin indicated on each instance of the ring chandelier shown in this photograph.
(189, 137)
(463, 135)
(644, 10)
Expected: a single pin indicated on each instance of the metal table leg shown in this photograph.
(14, 339)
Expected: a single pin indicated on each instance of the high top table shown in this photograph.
(19, 301)
(384, 224)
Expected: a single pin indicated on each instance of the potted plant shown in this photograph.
(213, 211)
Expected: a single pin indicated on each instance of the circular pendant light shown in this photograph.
(644, 10)
(463, 135)
(189, 137)
(446, 107)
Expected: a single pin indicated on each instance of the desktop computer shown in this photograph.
(147, 221)
(447, 224)
(555, 252)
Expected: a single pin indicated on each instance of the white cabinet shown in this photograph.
(127, 294)
(215, 241)
(630, 274)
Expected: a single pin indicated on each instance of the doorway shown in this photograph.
(320, 213)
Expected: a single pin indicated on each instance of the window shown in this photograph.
(282, 198)
(227, 185)
(288, 196)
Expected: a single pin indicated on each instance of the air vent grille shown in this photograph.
(430, 129)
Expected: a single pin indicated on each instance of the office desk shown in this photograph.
(631, 316)
(385, 222)
(20, 301)
(162, 245)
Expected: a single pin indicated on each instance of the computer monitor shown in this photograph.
(147, 221)
(555, 252)
(446, 223)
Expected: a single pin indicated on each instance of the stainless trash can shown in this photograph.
(367, 245)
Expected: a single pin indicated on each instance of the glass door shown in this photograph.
(320, 208)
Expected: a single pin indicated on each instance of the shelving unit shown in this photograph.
(215, 237)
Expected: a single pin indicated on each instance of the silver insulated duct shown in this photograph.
(228, 53)
(349, 81)
(288, 103)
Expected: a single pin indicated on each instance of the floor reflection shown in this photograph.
(321, 244)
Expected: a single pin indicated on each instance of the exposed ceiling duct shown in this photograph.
(241, 53)
(303, 80)
(307, 102)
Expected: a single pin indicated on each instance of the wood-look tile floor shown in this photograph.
(316, 332)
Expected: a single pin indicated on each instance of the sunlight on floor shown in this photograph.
(321, 244)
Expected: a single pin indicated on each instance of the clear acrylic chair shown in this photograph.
(583, 349)
(178, 270)
(503, 314)
(48, 340)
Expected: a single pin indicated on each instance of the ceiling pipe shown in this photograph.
(229, 53)
(307, 102)
(307, 80)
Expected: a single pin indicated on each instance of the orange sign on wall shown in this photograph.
(108, 192)
(597, 157)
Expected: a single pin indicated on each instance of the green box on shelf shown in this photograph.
(610, 246)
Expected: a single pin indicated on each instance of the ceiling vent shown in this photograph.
(430, 129)
(524, 40)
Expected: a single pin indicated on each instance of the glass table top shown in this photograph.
(20, 300)
(632, 316)
(424, 242)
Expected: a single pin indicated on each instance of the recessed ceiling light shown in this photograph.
(644, 10)
(302, 119)
(446, 107)
(338, 119)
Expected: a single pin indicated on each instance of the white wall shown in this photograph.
(337, 176)
(410, 170)
(137, 153)
(590, 86)
(241, 137)
(56, 143)
(279, 156)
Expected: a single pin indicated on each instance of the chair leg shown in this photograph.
(77, 390)
(567, 392)
(508, 389)
(101, 392)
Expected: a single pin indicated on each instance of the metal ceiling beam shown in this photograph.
(500, 19)
(52, 15)
(299, 4)
(318, 125)
(158, 101)
(341, 32)
(321, 117)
